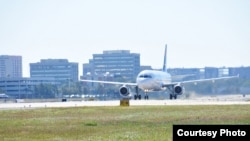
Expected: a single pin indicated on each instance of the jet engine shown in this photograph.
(125, 92)
(178, 89)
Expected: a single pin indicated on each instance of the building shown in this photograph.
(145, 68)
(114, 62)
(10, 66)
(185, 74)
(88, 68)
(211, 72)
(60, 69)
(183, 71)
(22, 87)
(243, 72)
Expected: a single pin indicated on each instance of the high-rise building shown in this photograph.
(114, 62)
(10, 66)
(60, 69)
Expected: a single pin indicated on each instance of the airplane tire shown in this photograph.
(172, 96)
(175, 97)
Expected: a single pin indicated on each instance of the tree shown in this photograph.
(45, 91)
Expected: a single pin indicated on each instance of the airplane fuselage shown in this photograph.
(152, 80)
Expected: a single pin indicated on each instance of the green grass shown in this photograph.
(153, 123)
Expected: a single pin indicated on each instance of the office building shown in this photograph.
(10, 66)
(243, 72)
(22, 87)
(185, 74)
(211, 72)
(115, 63)
(60, 69)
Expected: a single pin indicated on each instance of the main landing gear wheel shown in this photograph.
(172, 96)
(137, 97)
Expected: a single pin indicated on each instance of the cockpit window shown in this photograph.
(145, 76)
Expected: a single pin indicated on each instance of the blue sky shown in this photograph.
(199, 33)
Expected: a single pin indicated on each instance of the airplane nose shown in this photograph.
(142, 83)
(140, 80)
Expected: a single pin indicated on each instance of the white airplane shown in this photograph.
(153, 80)
(3, 96)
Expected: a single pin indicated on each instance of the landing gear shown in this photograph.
(172, 96)
(137, 96)
(146, 94)
(171, 91)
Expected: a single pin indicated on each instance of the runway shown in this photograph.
(206, 100)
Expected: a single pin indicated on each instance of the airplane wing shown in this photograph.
(200, 80)
(110, 82)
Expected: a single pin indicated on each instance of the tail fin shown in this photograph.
(165, 60)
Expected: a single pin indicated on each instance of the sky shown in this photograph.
(198, 33)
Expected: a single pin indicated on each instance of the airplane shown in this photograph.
(3, 96)
(154, 80)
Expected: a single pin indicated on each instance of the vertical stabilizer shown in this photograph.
(165, 60)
